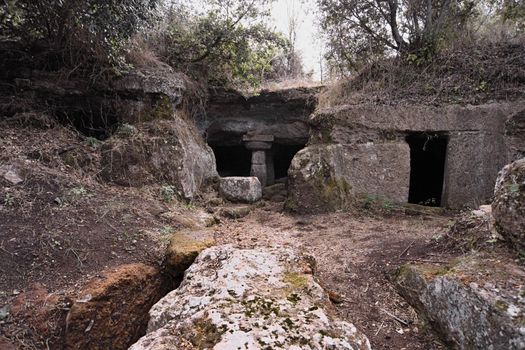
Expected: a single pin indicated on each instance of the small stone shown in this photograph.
(4, 312)
(9, 173)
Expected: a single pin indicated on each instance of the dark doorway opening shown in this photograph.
(428, 153)
(282, 158)
(233, 160)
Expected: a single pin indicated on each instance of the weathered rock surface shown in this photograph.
(111, 312)
(138, 96)
(240, 189)
(189, 218)
(509, 203)
(282, 114)
(235, 211)
(515, 131)
(473, 231)
(477, 303)
(275, 193)
(183, 249)
(329, 177)
(480, 140)
(315, 182)
(235, 298)
(40, 310)
(160, 81)
(167, 152)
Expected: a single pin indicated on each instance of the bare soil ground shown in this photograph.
(356, 254)
(61, 226)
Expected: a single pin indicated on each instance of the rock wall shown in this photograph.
(376, 156)
(149, 138)
(164, 152)
(111, 311)
(515, 133)
(282, 114)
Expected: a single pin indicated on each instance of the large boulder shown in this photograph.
(315, 180)
(164, 152)
(509, 203)
(328, 177)
(111, 311)
(474, 303)
(240, 189)
(235, 298)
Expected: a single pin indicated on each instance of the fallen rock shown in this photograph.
(240, 189)
(183, 249)
(235, 212)
(192, 219)
(508, 206)
(473, 231)
(235, 298)
(477, 303)
(275, 193)
(315, 181)
(112, 312)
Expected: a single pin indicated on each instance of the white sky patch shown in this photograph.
(308, 42)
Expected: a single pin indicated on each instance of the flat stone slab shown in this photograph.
(240, 189)
(258, 138)
(264, 298)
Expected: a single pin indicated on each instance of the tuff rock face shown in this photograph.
(240, 189)
(515, 132)
(235, 298)
(167, 152)
(509, 204)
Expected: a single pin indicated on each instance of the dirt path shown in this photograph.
(355, 255)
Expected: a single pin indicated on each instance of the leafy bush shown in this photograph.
(75, 33)
(362, 32)
(168, 193)
(227, 43)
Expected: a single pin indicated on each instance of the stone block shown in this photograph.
(240, 189)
